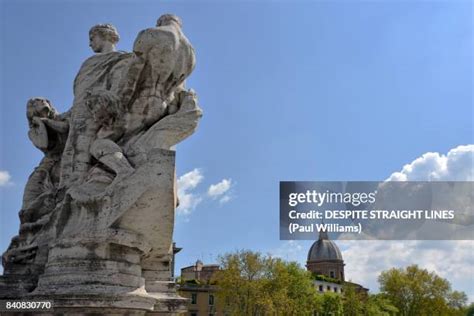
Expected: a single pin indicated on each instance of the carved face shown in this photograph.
(96, 42)
(39, 107)
(42, 108)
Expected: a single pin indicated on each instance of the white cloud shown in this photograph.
(216, 190)
(4, 178)
(225, 199)
(187, 199)
(190, 180)
(221, 191)
(456, 165)
(453, 260)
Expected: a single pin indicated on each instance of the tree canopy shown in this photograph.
(253, 284)
(416, 291)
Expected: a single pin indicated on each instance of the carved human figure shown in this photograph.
(103, 37)
(109, 125)
(94, 75)
(169, 61)
(144, 82)
(48, 132)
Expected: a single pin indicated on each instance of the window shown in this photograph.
(194, 314)
(332, 274)
(211, 300)
(321, 288)
(194, 298)
(335, 290)
(328, 288)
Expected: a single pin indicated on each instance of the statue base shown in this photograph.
(117, 261)
(132, 303)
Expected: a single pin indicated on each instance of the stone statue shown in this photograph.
(103, 37)
(98, 212)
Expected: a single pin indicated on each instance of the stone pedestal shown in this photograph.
(119, 257)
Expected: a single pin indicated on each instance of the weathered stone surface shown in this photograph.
(98, 212)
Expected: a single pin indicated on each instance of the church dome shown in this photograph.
(324, 249)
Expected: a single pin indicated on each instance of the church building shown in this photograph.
(327, 266)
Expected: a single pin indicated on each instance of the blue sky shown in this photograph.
(323, 90)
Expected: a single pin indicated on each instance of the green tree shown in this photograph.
(418, 292)
(470, 310)
(240, 283)
(353, 303)
(291, 288)
(457, 300)
(332, 305)
(253, 284)
(379, 305)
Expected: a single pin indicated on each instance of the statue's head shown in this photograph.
(103, 37)
(39, 107)
(169, 19)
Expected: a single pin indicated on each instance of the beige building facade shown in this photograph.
(198, 287)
